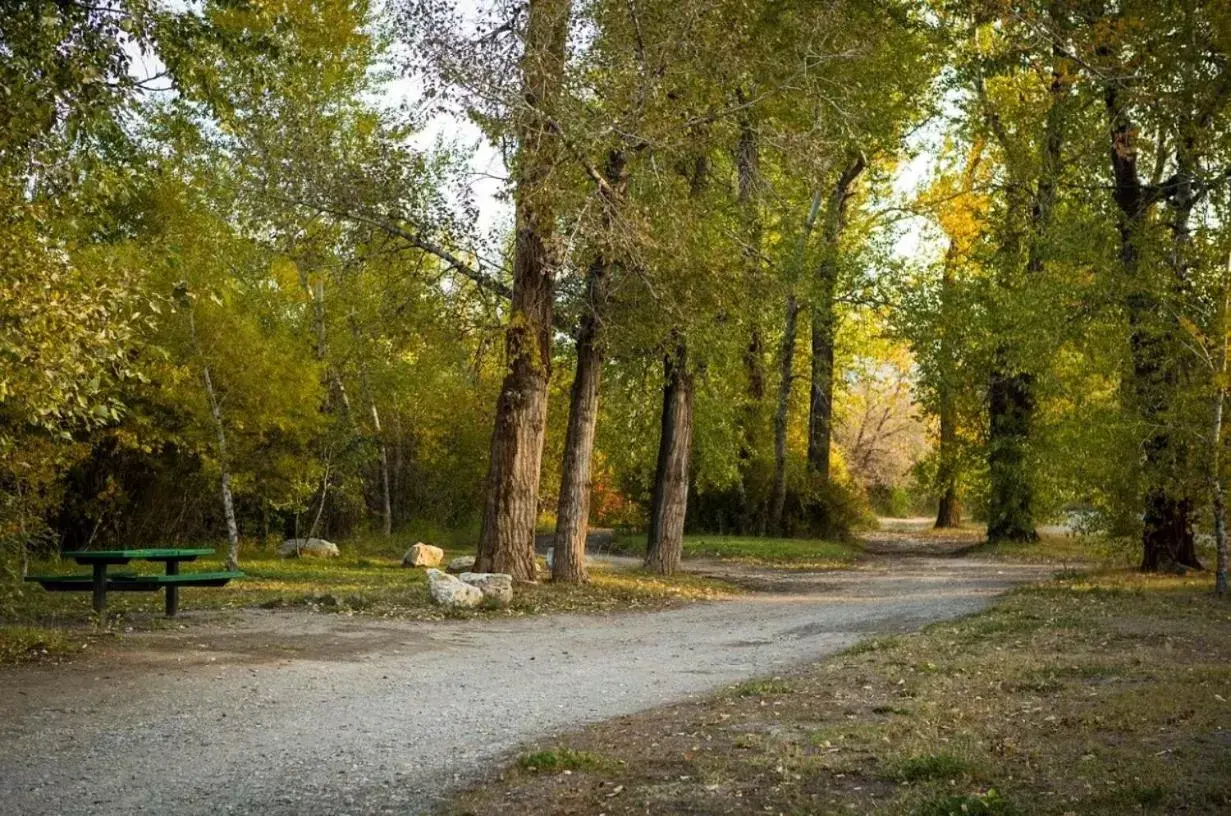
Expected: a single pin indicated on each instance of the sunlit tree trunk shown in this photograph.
(786, 376)
(506, 542)
(786, 359)
(824, 323)
(669, 503)
(573, 512)
(576, 473)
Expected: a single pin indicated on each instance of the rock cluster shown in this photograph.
(314, 547)
(470, 589)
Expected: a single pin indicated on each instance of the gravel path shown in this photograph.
(293, 713)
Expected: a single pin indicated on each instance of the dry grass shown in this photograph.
(1089, 695)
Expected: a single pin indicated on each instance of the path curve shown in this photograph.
(294, 713)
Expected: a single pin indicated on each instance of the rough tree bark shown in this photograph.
(573, 510)
(506, 542)
(824, 323)
(669, 503)
(1167, 534)
(786, 377)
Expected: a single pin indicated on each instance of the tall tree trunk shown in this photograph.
(949, 511)
(224, 469)
(506, 542)
(786, 359)
(1011, 400)
(215, 412)
(383, 458)
(752, 515)
(382, 446)
(824, 323)
(573, 512)
(786, 376)
(1167, 535)
(669, 503)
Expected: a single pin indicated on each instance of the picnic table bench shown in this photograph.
(100, 582)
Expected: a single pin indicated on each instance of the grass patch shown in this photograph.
(990, 803)
(797, 553)
(366, 579)
(562, 759)
(921, 767)
(1059, 549)
(1108, 693)
(35, 644)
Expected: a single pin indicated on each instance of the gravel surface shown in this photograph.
(295, 713)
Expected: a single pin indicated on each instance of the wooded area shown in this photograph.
(771, 268)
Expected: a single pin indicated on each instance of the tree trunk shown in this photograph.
(228, 503)
(670, 497)
(786, 358)
(949, 513)
(1167, 535)
(573, 512)
(1010, 515)
(786, 377)
(383, 451)
(752, 508)
(506, 542)
(949, 509)
(215, 412)
(1218, 495)
(824, 324)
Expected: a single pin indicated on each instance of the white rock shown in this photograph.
(463, 563)
(315, 547)
(497, 587)
(423, 555)
(447, 590)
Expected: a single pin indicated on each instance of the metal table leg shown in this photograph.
(173, 590)
(100, 589)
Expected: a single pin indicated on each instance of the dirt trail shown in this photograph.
(295, 713)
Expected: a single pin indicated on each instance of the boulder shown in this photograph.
(497, 587)
(423, 555)
(463, 563)
(313, 547)
(446, 590)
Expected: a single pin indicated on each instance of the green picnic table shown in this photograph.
(99, 582)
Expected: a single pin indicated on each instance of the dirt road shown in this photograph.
(294, 713)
